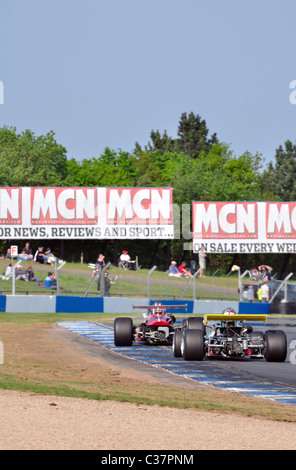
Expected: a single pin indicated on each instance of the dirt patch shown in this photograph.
(47, 354)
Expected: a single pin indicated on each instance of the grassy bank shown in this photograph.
(75, 279)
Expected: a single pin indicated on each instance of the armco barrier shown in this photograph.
(121, 304)
(71, 304)
(30, 304)
(2, 303)
(113, 305)
(249, 308)
(66, 304)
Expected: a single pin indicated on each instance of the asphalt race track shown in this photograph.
(274, 381)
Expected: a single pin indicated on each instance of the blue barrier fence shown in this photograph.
(72, 304)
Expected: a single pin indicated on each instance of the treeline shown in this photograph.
(196, 165)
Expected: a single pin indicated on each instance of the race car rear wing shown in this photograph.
(160, 307)
(239, 317)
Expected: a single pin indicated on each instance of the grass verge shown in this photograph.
(37, 361)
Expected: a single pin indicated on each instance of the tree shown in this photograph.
(110, 169)
(27, 160)
(163, 143)
(193, 136)
(279, 181)
(216, 176)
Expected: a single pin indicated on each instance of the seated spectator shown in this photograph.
(24, 257)
(30, 275)
(50, 281)
(50, 258)
(39, 256)
(183, 271)
(125, 261)
(27, 250)
(8, 273)
(173, 270)
(19, 274)
(8, 254)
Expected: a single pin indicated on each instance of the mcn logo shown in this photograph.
(244, 220)
(224, 220)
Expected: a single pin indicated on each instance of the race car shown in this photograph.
(230, 337)
(158, 327)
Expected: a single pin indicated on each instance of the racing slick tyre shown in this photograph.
(275, 346)
(195, 323)
(123, 331)
(193, 345)
(177, 342)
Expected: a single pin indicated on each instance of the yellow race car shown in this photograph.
(230, 337)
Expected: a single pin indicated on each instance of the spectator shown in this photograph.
(173, 270)
(183, 271)
(27, 250)
(8, 254)
(39, 256)
(101, 261)
(202, 261)
(99, 264)
(259, 294)
(255, 274)
(24, 257)
(50, 258)
(19, 274)
(250, 294)
(265, 292)
(107, 285)
(8, 273)
(30, 275)
(266, 272)
(126, 261)
(50, 281)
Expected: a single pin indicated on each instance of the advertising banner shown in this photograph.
(244, 227)
(77, 213)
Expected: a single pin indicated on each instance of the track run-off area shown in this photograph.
(273, 381)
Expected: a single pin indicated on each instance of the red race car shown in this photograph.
(158, 327)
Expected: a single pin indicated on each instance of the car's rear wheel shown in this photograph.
(193, 345)
(123, 331)
(195, 323)
(275, 346)
(177, 342)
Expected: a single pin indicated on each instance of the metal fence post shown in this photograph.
(148, 281)
(57, 270)
(13, 275)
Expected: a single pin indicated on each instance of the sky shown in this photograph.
(104, 73)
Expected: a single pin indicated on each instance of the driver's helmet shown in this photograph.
(156, 310)
(229, 311)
